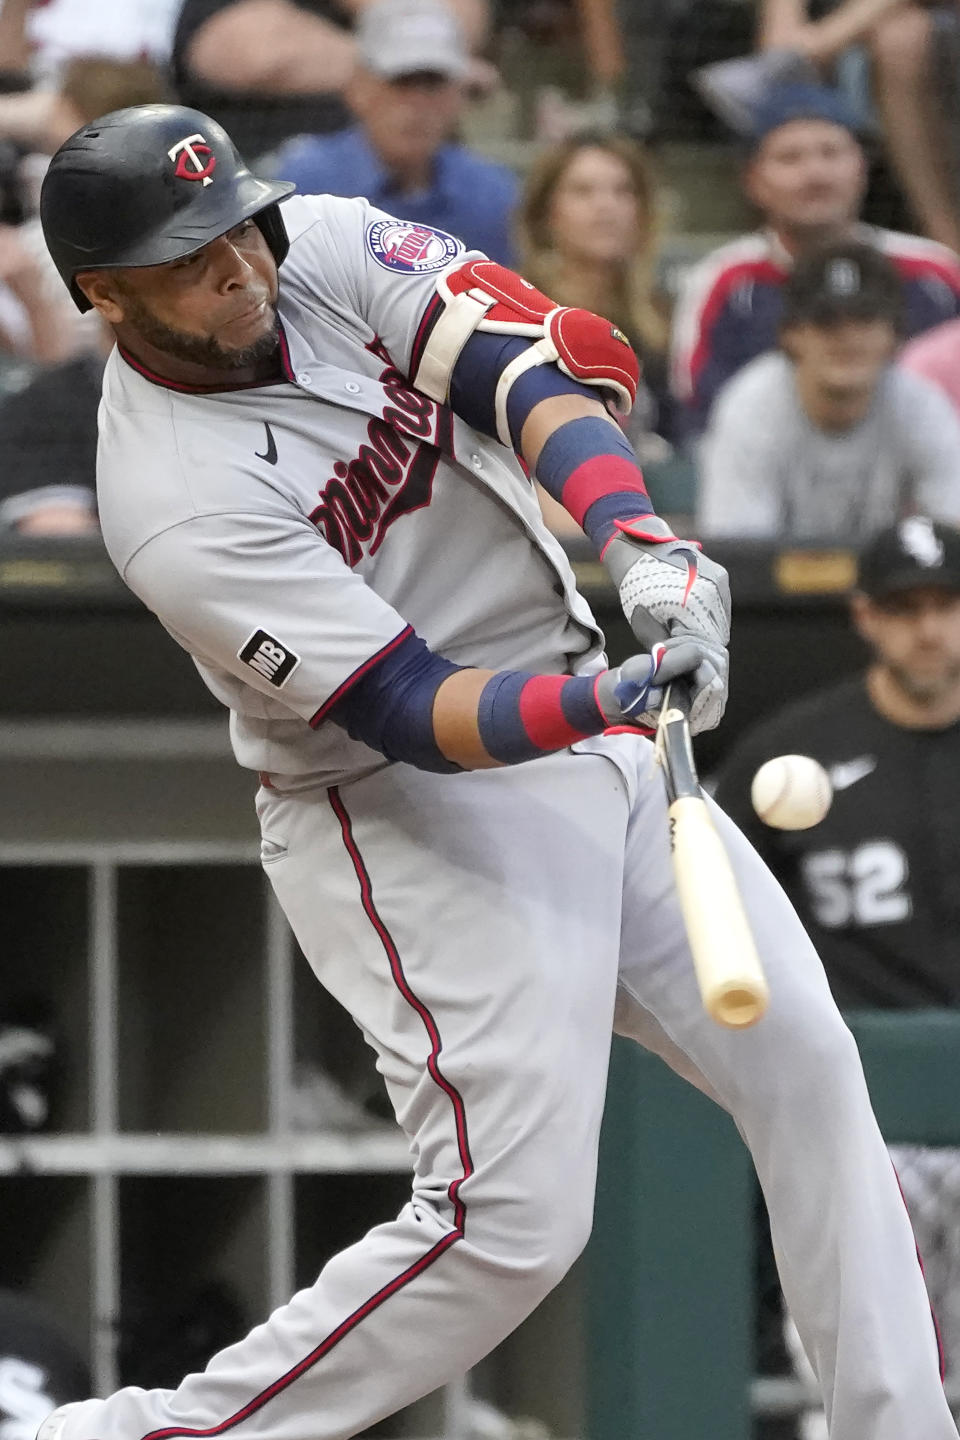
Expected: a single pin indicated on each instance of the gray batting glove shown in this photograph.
(666, 586)
(632, 693)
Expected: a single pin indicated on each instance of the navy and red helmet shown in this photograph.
(150, 184)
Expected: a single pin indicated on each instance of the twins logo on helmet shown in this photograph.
(415, 249)
(195, 160)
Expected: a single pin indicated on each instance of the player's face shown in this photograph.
(915, 636)
(595, 213)
(409, 118)
(844, 359)
(215, 308)
(807, 174)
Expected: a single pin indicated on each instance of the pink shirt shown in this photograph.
(936, 356)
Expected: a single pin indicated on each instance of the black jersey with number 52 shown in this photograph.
(877, 882)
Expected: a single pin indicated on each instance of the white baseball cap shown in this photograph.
(406, 37)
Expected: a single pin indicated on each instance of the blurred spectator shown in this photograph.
(271, 69)
(562, 61)
(936, 356)
(875, 882)
(29, 315)
(48, 447)
(87, 86)
(62, 30)
(827, 438)
(14, 45)
(588, 228)
(266, 69)
(806, 175)
(799, 40)
(408, 94)
(38, 320)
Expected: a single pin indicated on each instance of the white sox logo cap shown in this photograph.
(919, 539)
(914, 554)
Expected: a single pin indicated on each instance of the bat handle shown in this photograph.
(673, 745)
(677, 697)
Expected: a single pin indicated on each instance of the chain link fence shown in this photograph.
(784, 1394)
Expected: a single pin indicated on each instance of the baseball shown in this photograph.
(791, 792)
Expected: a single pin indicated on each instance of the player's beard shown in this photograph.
(199, 349)
(926, 689)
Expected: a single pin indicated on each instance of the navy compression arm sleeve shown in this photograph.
(479, 366)
(390, 708)
(588, 464)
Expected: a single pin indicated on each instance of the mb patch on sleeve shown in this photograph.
(271, 660)
(411, 249)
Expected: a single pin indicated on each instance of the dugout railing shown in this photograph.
(670, 1282)
(74, 641)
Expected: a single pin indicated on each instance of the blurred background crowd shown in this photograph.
(764, 195)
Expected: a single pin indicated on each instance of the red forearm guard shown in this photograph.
(481, 295)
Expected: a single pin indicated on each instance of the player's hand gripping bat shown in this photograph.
(728, 969)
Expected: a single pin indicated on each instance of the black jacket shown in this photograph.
(877, 882)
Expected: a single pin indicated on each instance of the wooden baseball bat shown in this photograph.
(728, 968)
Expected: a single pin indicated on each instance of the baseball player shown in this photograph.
(876, 880)
(318, 435)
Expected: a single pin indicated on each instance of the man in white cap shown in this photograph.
(407, 94)
(270, 69)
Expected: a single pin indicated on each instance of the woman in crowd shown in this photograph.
(588, 235)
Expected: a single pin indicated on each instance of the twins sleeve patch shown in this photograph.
(271, 660)
(411, 249)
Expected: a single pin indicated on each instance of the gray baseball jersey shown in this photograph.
(484, 929)
(287, 533)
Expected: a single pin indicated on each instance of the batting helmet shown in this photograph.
(146, 185)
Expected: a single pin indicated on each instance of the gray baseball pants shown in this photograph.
(486, 931)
